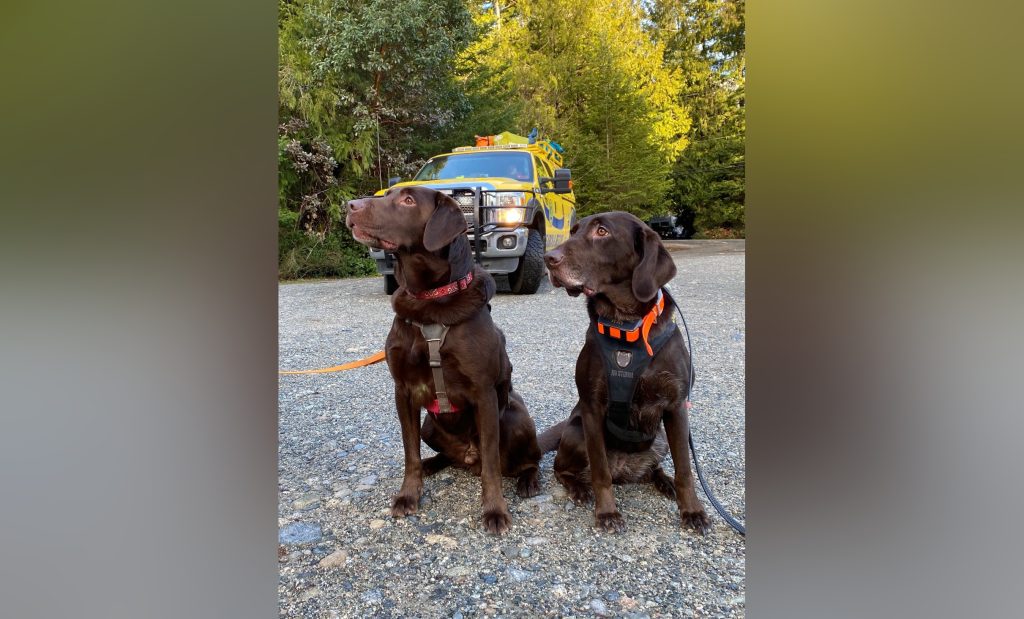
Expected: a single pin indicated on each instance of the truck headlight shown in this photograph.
(505, 198)
(509, 216)
(510, 211)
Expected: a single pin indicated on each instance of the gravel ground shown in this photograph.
(340, 462)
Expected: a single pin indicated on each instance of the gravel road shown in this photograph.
(340, 462)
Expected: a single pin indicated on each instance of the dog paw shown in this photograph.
(434, 464)
(665, 486)
(497, 521)
(580, 494)
(528, 486)
(404, 505)
(696, 520)
(611, 522)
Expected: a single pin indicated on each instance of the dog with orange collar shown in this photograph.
(633, 374)
(445, 353)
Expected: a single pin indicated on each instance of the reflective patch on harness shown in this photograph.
(623, 357)
(434, 408)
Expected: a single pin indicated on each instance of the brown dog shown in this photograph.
(488, 430)
(620, 265)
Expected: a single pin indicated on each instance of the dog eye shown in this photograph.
(602, 231)
(408, 201)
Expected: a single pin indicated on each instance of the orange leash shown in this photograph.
(374, 358)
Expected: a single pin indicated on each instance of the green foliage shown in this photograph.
(308, 255)
(360, 84)
(588, 75)
(705, 40)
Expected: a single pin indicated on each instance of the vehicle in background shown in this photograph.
(667, 227)
(517, 199)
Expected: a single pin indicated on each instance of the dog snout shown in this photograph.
(357, 205)
(554, 258)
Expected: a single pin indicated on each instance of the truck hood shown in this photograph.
(493, 183)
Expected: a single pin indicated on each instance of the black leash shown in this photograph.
(740, 528)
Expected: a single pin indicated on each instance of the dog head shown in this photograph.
(612, 254)
(406, 218)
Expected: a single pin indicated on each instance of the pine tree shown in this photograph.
(705, 40)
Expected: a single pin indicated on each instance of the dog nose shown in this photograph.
(554, 258)
(356, 205)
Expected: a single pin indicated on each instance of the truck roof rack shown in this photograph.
(545, 148)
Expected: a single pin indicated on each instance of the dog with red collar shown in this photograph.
(445, 353)
(632, 375)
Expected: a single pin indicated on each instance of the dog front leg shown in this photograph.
(408, 498)
(677, 429)
(496, 517)
(606, 512)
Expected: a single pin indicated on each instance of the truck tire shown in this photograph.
(528, 275)
(390, 284)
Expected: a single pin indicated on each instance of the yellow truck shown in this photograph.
(517, 199)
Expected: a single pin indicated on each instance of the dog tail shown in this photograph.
(549, 439)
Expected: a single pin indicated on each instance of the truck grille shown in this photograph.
(465, 198)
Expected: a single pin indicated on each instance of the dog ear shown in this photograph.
(445, 225)
(656, 266)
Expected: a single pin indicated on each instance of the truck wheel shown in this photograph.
(390, 284)
(528, 275)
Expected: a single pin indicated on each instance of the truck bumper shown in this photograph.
(499, 254)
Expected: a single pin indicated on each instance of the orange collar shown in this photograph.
(640, 328)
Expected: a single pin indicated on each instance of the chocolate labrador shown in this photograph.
(632, 375)
(463, 376)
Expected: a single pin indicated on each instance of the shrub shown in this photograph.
(302, 254)
(722, 233)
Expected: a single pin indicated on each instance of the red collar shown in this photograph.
(447, 289)
(640, 328)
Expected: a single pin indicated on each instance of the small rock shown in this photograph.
(612, 596)
(300, 533)
(444, 540)
(306, 501)
(598, 607)
(457, 571)
(510, 551)
(542, 498)
(372, 596)
(376, 524)
(457, 615)
(559, 591)
(369, 480)
(309, 594)
(518, 575)
(525, 553)
(335, 559)
(536, 541)
(489, 578)
(359, 447)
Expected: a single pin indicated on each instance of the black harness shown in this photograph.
(624, 362)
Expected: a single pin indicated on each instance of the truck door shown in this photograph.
(556, 214)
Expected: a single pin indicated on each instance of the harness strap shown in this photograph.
(627, 351)
(434, 335)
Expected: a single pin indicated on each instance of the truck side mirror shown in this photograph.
(393, 180)
(563, 180)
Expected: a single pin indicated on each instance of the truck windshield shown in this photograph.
(516, 166)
